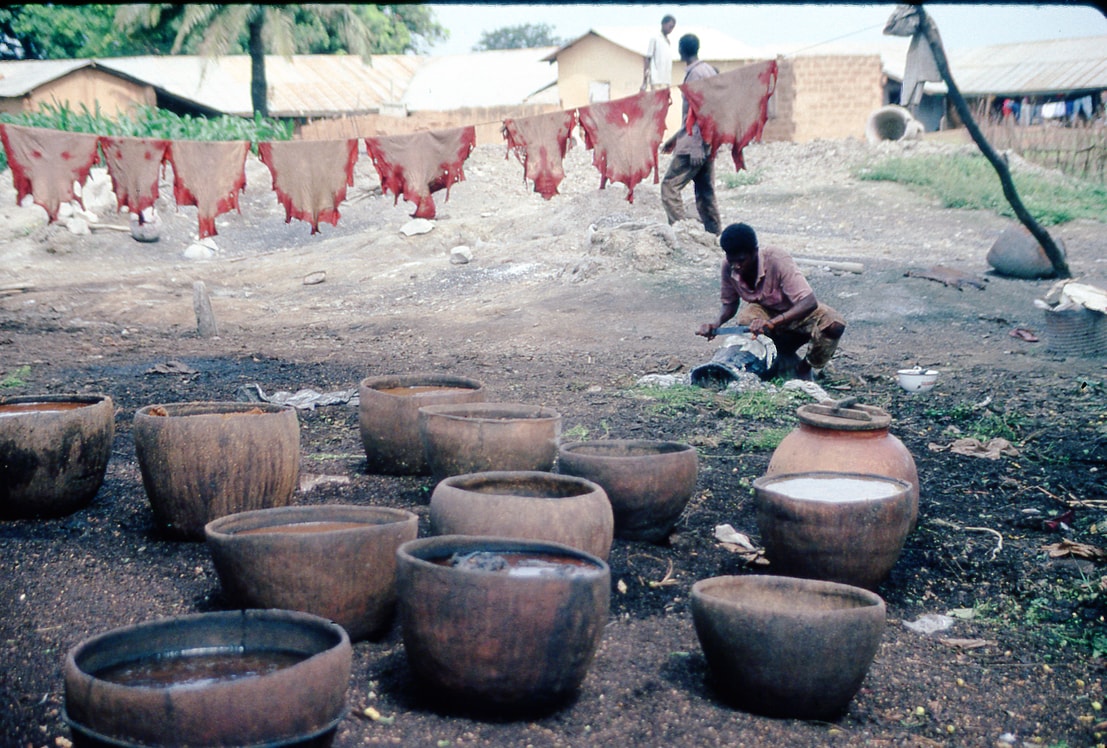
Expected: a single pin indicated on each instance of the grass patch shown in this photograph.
(743, 178)
(764, 440)
(971, 182)
(16, 378)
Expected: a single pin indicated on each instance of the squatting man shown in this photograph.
(776, 301)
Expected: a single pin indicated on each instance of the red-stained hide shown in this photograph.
(624, 136)
(418, 164)
(209, 175)
(731, 107)
(310, 177)
(45, 163)
(134, 165)
(540, 143)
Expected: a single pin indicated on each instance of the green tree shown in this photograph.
(523, 36)
(216, 30)
(55, 32)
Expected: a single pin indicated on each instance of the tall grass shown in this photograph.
(971, 182)
(150, 122)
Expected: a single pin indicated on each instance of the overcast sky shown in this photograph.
(961, 26)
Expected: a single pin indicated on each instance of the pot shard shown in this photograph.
(647, 482)
(334, 561)
(787, 647)
(495, 641)
(478, 437)
(54, 452)
(388, 417)
(839, 527)
(205, 460)
(255, 677)
(525, 504)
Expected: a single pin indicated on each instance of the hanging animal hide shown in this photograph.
(310, 177)
(45, 163)
(731, 107)
(421, 163)
(209, 175)
(134, 165)
(540, 143)
(624, 136)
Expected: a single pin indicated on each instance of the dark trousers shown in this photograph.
(680, 173)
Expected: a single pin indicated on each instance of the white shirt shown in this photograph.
(660, 55)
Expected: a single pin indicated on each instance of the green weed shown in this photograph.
(670, 401)
(764, 440)
(16, 378)
(743, 178)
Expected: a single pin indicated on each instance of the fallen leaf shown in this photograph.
(1076, 550)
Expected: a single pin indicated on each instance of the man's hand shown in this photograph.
(707, 330)
(760, 326)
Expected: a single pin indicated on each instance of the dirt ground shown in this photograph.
(568, 303)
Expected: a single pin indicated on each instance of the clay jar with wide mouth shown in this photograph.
(54, 452)
(525, 504)
(388, 417)
(787, 647)
(241, 678)
(849, 437)
(336, 561)
(647, 482)
(840, 527)
(478, 437)
(205, 460)
(500, 625)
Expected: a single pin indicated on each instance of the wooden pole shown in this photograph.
(1056, 257)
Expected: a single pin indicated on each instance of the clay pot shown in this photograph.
(54, 451)
(787, 647)
(334, 561)
(258, 677)
(205, 460)
(840, 527)
(512, 627)
(647, 482)
(476, 437)
(388, 417)
(525, 504)
(846, 437)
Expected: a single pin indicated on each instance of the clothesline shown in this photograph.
(310, 177)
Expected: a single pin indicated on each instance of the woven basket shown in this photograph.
(1076, 332)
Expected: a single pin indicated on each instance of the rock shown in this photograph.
(203, 249)
(1018, 254)
(461, 255)
(78, 226)
(417, 226)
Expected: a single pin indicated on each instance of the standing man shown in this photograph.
(690, 153)
(657, 72)
(776, 300)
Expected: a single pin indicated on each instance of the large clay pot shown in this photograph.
(647, 482)
(840, 527)
(253, 677)
(388, 417)
(332, 560)
(525, 504)
(500, 624)
(787, 647)
(477, 437)
(204, 460)
(846, 437)
(54, 451)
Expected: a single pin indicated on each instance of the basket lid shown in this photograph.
(844, 415)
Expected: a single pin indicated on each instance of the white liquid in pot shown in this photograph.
(835, 488)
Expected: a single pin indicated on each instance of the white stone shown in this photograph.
(461, 255)
(417, 226)
(78, 225)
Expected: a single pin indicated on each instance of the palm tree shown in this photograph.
(216, 30)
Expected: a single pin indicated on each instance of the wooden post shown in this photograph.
(1056, 257)
(205, 317)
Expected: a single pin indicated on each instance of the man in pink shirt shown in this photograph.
(778, 300)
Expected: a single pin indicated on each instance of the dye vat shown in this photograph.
(787, 647)
(525, 504)
(647, 482)
(242, 678)
(388, 417)
(480, 437)
(499, 625)
(839, 527)
(205, 460)
(332, 560)
(54, 452)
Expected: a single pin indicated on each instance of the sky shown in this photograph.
(961, 26)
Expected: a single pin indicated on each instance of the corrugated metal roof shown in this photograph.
(1028, 68)
(481, 79)
(714, 44)
(21, 77)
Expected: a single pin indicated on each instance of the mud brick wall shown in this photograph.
(488, 122)
(824, 97)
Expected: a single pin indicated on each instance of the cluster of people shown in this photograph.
(763, 286)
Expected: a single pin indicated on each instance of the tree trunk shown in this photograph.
(259, 87)
(1054, 254)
